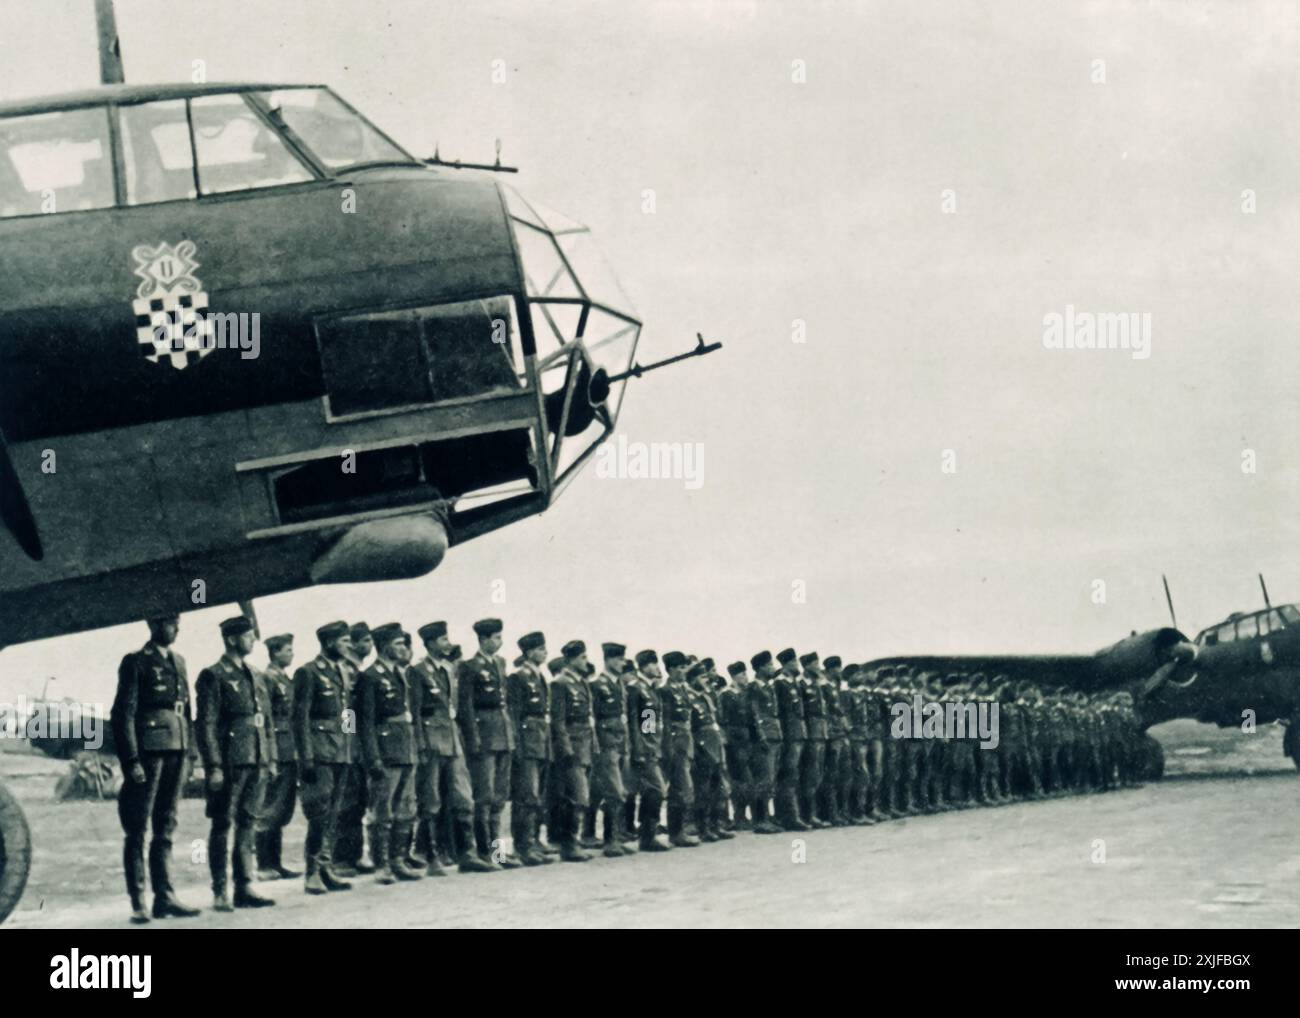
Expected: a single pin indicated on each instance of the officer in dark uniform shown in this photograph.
(152, 732)
(239, 757)
(528, 702)
(765, 756)
(813, 769)
(679, 750)
(324, 729)
(277, 810)
(386, 727)
(854, 705)
(444, 799)
(794, 734)
(351, 836)
(489, 741)
(573, 736)
(609, 712)
(835, 784)
(709, 776)
(645, 748)
(738, 732)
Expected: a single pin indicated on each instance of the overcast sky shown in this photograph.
(823, 201)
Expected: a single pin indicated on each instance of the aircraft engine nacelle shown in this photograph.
(1142, 654)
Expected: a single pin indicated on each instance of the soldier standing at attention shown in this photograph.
(738, 729)
(644, 722)
(882, 752)
(835, 785)
(152, 731)
(609, 709)
(814, 751)
(351, 835)
(323, 726)
(277, 810)
(679, 749)
(572, 737)
(489, 741)
(444, 799)
(854, 706)
(386, 727)
(238, 749)
(794, 733)
(710, 759)
(526, 696)
(765, 722)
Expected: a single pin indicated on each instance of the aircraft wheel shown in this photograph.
(1153, 758)
(15, 852)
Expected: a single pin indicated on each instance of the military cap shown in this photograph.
(696, 670)
(555, 664)
(717, 681)
(736, 668)
(236, 626)
(787, 655)
(359, 631)
(573, 648)
(646, 657)
(851, 670)
(674, 659)
(613, 649)
(628, 666)
(708, 664)
(432, 630)
(331, 631)
(763, 657)
(833, 661)
(808, 659)
(885, 671)
(488, 627)
(278, 641)
(531, 641)
(388, 633)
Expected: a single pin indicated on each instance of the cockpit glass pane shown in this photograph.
(1227, 633)
(336, 135)
(1274, 621)
(1247, 628)
(1289, 613)
(55, 162)
(236, 150)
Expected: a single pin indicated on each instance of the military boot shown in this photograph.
(469, 861)
(762, 822)
(379, 853)
(313, 882)
(677, 835)
(166, 906)
(649, 840)
(507, 860)
(570, 847)
(397, 849)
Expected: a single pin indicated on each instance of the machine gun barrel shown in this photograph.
(637, 370)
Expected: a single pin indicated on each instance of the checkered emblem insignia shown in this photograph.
(170, 305)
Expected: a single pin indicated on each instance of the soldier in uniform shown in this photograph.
(738, 733)
(835, 785)
(324, 728)
(529, 706)
(239, 757)
(444, 799)
(282, 791)
(351, 836)
(152, 732)
(386, 726)
(489, 740)
(881, 750)
(794, 733)
(572, 735)
(813, 767)
(679, 750)
(709, 778)
(645, 749)
(765, 724)
(609, 710)
(853, 707)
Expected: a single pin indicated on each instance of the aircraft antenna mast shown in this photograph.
(110, 49)
(1169, 601)
(1267, 603)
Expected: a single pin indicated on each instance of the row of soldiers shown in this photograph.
(425, 755)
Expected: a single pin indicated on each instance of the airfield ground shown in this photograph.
(1213, 845)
